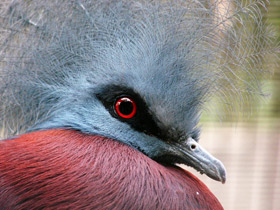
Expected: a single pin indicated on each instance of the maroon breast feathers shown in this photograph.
(62, 169)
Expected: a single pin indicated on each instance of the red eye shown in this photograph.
(125, 107)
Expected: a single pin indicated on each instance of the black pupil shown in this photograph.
(126, 107)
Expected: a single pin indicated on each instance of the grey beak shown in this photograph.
(192, 154)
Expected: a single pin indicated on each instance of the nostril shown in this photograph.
(193, 146)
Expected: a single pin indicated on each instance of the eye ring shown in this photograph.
(125, 107)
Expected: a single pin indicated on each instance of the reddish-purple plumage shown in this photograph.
(62, 169)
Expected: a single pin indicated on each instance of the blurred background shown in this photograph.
(249, 147)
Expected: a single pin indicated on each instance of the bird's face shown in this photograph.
(157, 114)
(136, 72)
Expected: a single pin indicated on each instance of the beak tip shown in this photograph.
(223, 180)
(222, 174)
(217, 172)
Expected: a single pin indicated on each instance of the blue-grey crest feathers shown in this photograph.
(180, 53)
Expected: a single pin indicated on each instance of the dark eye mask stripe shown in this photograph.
(142, 121)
